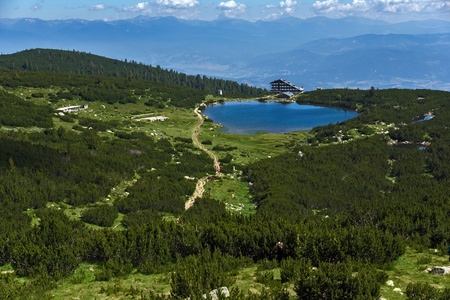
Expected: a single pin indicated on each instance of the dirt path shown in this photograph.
(201, 146)
(200, 188)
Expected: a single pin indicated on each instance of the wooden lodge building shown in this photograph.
(281, 86)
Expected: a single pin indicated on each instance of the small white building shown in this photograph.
(72, 108)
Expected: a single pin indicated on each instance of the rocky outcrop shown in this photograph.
(440, 271)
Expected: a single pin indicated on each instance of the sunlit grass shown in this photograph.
(82, 284)
(234, 193)
(250, 148)
(410, 268)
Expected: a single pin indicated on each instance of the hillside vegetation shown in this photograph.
(81, 63)
(92, 202)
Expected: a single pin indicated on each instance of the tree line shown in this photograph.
(112, 90)
(81, 63)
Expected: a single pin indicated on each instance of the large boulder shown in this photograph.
(440, 270)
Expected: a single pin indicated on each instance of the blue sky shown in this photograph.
(389, 10)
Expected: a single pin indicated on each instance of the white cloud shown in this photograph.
(288, 5)
(177, 3)
(97, 7)
(142, 6)
(231, 9)
(380, 6)
(183, 9)
(283, 8)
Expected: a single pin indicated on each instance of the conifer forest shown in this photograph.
(95, 199)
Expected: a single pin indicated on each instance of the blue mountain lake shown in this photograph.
(250, 117)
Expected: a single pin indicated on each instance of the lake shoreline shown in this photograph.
(284, 101)
(248, 117)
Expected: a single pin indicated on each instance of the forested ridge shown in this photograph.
(103, 88)
(345, 205)
(81, 63)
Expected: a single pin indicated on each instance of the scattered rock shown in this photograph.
(390, 283)
(392, 142)
(440, 271)
(398, 290)
(223, 290)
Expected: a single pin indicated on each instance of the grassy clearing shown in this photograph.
(82, 285)
(181, 122)
(250, 148)
(246, 280)
(234, 193)
(410, 268)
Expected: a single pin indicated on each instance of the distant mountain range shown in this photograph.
(349, 52)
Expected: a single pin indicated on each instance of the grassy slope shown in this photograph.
(235, 194)
(182, 123)
(410, 268)
(82, 284)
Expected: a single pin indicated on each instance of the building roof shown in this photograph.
(286, 82)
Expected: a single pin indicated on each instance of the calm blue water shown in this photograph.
(249, 117)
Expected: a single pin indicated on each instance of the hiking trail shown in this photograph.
(200, 188)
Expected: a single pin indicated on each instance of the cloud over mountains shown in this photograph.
(347, 52)
(231, 9)
(250, 10)
(359, 7)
